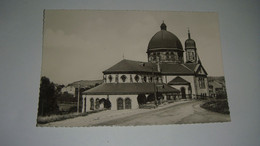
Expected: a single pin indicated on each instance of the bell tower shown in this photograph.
(191, 50)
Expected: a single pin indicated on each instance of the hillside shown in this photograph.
(86, 83)
(220, 79)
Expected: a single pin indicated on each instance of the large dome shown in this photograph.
(164, 40)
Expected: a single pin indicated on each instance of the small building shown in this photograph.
(215, 87)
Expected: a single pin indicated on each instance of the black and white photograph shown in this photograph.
(131, 68)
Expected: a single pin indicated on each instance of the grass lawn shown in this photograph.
(54, 118)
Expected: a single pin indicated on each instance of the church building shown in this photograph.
(165, 77)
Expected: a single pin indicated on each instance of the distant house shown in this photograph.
(72, 88)
(215, 87)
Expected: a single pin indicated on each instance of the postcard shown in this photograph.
(131, 68)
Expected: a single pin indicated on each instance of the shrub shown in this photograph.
(220, 106)
(221, 95)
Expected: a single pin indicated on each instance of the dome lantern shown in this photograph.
(163, 26)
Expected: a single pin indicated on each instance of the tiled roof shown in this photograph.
(130, 66)
(192, 66)
(129, 88)
(216, 84)
(175, 69)
(178, 81)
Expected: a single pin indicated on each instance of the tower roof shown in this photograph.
(190, 43)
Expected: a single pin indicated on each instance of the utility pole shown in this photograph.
(78, 98)
(154, 88)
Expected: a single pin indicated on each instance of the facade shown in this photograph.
(166, 76)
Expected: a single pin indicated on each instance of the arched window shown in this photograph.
(123, 78)
(167, 56)
(137, 78)
(175, 56)
(128, 104)
(145, 79)
(157, 79)
(150, 79)
(97, 103)
(131, 79)
(120, 104)
(110, 78)
(189, 56)
(154, 56)
(91, 104)
(159, 56)
(201, 83)
(193, 56)
(116, 79)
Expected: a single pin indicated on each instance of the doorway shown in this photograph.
(183, 93)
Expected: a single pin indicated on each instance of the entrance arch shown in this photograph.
(97, 103)
(106, 102)
(183, 93)
(120, 104)
(128, 104)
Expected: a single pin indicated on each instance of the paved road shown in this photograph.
(184, 113)
(174, 113)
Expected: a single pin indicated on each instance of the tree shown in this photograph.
(47, 100)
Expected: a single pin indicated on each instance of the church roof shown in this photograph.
(175, 69)
(164, 39)
(130, 66)
(129, 88)
(192, 66)
(178, 81)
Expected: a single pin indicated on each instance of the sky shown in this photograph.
(80, 44)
